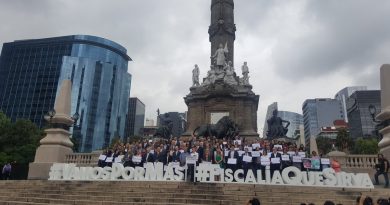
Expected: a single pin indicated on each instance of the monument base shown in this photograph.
(39, 171)
(209, 103)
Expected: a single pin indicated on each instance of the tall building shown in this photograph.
(344, 94)
(31, 72)
(178, 121)
(135, 118)
(295, 120)
(320, 112)
(360, 119)
(149, 122)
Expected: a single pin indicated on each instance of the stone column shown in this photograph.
(384, 116)
(56, 145)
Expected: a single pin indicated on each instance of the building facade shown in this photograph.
(135, 118)
(320, 112)
(31, 72)
(361, 123)
(344, 94)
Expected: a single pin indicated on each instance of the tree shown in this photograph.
(18, 141)
(324, 144)
(343, 140)
(366, 146)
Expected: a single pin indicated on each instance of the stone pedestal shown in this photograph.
(56, 145)
(237, 100)
(384, 116)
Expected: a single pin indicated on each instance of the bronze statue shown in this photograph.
(276, 129)
(165, 128)
(225, 128)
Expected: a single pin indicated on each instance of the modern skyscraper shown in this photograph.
(344, 94)
(295, 120)
(360, 119)
(320, 112)
(31, 72)
(135, 118)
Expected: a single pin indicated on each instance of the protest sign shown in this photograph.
(232, 161)
(247, 159)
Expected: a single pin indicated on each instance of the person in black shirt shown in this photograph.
(382, 168)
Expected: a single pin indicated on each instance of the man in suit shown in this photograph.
(149, 156)
(233, 154)
(275, 166)
(176, 155)
(245, 164)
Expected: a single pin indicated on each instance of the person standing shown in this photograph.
(7, 171)
(382, 168)
(275, 165)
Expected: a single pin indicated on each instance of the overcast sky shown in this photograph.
(295, 49)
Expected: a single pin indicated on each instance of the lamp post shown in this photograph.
(50, 114)
(76, 131)
(379, 125)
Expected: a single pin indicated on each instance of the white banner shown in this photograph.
(290, 176)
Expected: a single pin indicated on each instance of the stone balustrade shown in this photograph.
(83, 159)
(361, 161)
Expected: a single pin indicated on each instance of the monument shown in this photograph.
(384, 116)
(56, 145)
(222, 93)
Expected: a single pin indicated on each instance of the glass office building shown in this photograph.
(320, 112)
(135, 118)
(361, 123)
(31, 72)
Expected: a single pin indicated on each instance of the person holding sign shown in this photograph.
(137, 159)
(315, 161)
(246, 159)
(275, 161)
(286, 159)
(149, 157)
(297, 160)
(232, 158)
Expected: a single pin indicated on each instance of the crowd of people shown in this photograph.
(238, 153)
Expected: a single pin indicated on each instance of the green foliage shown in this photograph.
(343, 141)
(366, 146)
(324, 145)
(18, 141)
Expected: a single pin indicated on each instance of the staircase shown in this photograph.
(145, 193)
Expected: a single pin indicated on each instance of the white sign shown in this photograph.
(290, 176)
(232, 161)
(247, 159)
(118, 159)
(136, 159)
(191, 159)
(255, 145)
(297, 159)
(102, 157)
(275, 160)
(237, 142)
(240, 153)
(290, 153)
(302, 154)
(285, 157)
(226, 153)
(277, 146)
(255, 153)
(265, 161)
(325, 161)
(109, 159)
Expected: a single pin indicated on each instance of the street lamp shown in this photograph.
(379, 125)
(76, 130)
(50, 114)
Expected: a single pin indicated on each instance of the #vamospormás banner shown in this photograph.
(208, 173)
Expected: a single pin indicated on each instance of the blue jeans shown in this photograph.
(384, 175)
